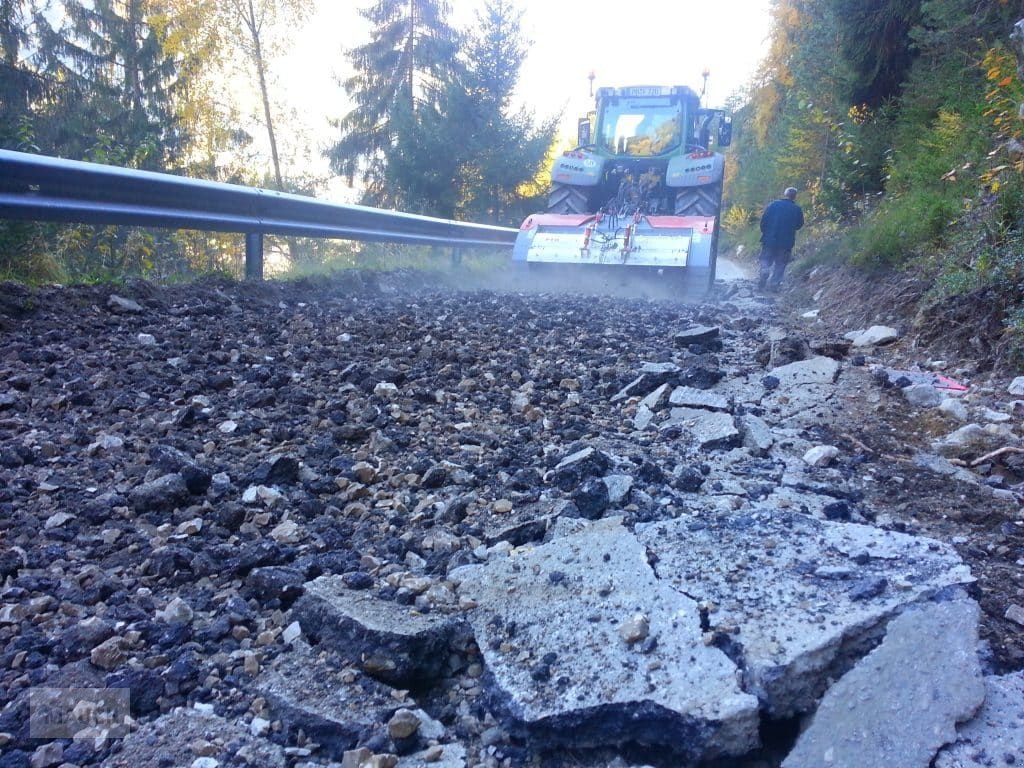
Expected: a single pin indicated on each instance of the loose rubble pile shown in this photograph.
(362, 524)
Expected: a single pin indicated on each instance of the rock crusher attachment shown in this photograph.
(642, 189)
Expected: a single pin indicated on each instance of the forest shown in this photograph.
(159, 85)
(901, 123)
(898, 120)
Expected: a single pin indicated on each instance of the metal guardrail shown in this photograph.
(40, 188)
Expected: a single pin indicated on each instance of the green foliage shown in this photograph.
(895, 232)
(25, 256)
(116, 83)
(443, 139)
(404, 67)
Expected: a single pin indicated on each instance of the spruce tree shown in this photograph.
(118, 82)
(403, 69)
(506, 149)
(20, 86)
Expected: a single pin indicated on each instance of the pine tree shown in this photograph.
(402, 70)
(507, 151)
(118, 84)
(20, 85)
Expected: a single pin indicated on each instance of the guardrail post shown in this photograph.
(253, 255)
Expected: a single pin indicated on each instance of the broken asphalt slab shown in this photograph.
(901, 702)
(584, 646)
(787, 391)
(337, 708)
(995, 735)
(705, 430)
(390, 642)
(797, 600)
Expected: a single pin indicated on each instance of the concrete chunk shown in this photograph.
(560, 670)
(995, 732)
(793, 628)
(390, 642)
(900, 704)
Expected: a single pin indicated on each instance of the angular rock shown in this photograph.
(276, 582)
(783, 351)
(639, 385)
(974, 438)
(900, 704)
(403, 724)
(570, 471)
(440, 756)
(121, 305)
(643, 418)
(873, 336)
(757, 435)
(995, 735)
(654, 400)
(922, 396)
(1016, 387)
(941, 466)
(793, 629)
(659, 373)
(700, 376)
(954, 408)
(164, 493)
(618, 486)
(821, 455)
(799, 391)
(835, 348)
(528, 522)
(336, 708)
(559, 672)
(592, 498)
(697, 334)
(388, 641)
(707, 430)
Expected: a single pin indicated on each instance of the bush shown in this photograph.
(900, 227)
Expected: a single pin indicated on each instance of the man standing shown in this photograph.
(779, 223)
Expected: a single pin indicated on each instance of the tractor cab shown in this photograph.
(650, 121)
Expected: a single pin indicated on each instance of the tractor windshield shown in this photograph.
(641, 127)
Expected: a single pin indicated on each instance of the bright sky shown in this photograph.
(659, 42)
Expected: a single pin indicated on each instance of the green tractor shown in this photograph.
(643, 188)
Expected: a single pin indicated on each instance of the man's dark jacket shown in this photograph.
(779, 223)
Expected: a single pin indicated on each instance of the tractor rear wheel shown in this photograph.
(699, 201)
(565, 198)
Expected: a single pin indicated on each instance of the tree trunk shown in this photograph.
(257, 54)
(410, 57)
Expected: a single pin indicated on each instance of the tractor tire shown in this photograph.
(699, 201)
(567, 199)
